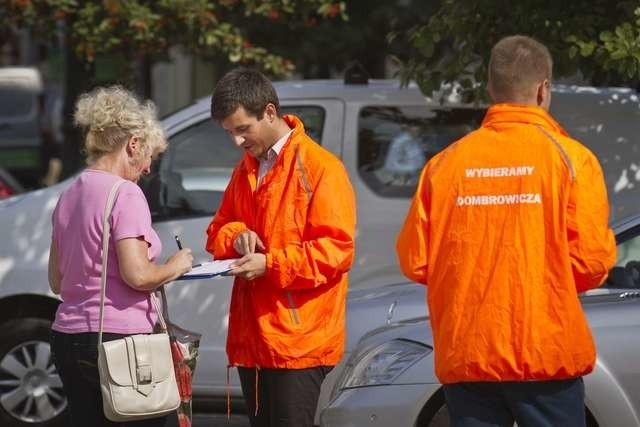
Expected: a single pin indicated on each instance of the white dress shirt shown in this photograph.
(269, 159)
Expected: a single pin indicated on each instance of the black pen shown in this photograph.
(179, 243)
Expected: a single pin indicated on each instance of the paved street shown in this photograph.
(212, 419)
(219, 420)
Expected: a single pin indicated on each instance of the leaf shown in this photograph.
(632, 70)
(587, 49)
(235, 57)
(606, 36)
(573, 51)
(622, 31)
(618, 54)
(424, 44)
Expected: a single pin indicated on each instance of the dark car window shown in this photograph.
(191, 176)
(16, 102)
(626, 273)
(312, 118)
(395, 142)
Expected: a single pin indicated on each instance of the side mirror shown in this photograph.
(632, 269)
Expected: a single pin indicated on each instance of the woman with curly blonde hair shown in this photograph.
(123, 136)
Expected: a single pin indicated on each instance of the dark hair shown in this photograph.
(243, 87)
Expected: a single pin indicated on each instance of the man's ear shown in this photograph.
(270, 112)
(540, 95)
(542, 92)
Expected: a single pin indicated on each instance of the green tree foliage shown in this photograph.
(148, 27)
(598, 39)
(322, 48)
(136, 33)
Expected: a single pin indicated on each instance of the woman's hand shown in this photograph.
(181, 261)
(143, 275)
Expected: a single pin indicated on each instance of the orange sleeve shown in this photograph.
(412, 243)
(224, 227)
(328, 251)
(592, 246)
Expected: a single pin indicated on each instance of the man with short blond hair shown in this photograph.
(517, 63)
(507, 226)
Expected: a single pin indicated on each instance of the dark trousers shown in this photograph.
(529, 403)
(76, 358)
(285, 398)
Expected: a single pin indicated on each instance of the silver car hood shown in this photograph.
(373, 308)
(596, 305)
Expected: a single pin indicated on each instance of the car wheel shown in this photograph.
(434, 413)
(440, 418)
(30, 387)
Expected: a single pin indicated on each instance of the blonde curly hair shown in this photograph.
(111, 115)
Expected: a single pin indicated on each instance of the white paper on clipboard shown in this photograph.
(208, 269)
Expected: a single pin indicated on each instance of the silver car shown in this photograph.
(389, 379)
(383, 133)
(355, 122)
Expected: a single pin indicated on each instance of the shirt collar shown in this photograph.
(277, 147)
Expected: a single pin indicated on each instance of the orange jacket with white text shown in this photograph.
(507, 226)
(304, 212)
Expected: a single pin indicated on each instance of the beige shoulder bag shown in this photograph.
(136, 372)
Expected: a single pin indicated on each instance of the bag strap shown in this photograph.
(106, 233)
(165, 304)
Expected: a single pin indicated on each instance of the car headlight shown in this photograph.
(382, 364)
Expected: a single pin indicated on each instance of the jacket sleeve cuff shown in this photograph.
(221, 245)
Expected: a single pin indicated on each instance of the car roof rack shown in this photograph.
(356, 74)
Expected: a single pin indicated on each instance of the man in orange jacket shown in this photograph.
(289, 214)
(507, 226)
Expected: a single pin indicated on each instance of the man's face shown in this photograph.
(247, 132)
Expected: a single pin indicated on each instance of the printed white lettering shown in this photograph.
(499, 172)
(499, 199)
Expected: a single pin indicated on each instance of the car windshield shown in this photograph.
(15, 102)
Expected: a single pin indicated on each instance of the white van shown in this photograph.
(21, 139)
(382, 132)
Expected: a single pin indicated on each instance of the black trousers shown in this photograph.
(529, 403)
(285, 398)
(76, 358)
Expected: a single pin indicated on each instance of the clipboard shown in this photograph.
(208, 270)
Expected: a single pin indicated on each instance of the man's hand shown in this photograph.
(249, 266)
(247, 241)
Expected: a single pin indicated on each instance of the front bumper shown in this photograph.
(386, 405)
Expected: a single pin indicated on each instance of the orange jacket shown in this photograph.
(304, 212)
(507, 226)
